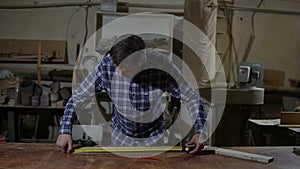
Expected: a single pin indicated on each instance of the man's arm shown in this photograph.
(181, 89)
(81, 95)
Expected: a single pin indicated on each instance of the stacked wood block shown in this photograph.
(11, 94)
(35, 98)
(27, 87)
(32, 94)
(45, 99)
(3, 96)
(59, 96)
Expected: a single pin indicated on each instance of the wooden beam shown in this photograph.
(39, 62)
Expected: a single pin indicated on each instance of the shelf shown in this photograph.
(59, 72)
(29, 107)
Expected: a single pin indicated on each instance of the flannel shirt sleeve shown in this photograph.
(189, 96)
(80, 96)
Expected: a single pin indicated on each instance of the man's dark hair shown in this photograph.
(125, 46)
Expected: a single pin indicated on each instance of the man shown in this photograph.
(135, 80)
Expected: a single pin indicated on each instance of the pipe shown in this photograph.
(168, 6)
(52, 5)
(262, 10)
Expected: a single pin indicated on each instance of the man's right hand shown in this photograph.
(64, 142)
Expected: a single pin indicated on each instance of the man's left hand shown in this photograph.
(195, 141)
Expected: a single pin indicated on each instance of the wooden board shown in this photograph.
(216, 150)
(47, 156)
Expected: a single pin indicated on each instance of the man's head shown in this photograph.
(125, 46)
(128, 53)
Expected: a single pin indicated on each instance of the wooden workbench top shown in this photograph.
(47, 156)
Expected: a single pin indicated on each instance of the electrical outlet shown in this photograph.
(244, 74)
(255, 74)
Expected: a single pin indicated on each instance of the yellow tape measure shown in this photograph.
(126, 149)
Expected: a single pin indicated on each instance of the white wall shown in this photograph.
(61, 23)
(276, 44)
(64, 23)
(277, 36)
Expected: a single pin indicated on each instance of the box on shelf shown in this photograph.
(290, 118)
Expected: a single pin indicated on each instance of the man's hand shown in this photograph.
(64, 142)
(195, 141)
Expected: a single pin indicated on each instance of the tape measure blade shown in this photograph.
(125, 149)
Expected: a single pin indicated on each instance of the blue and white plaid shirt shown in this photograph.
(137, 118)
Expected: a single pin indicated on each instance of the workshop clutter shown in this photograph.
(3, 96)
(28, 93)
(290, 114)
(24, 50)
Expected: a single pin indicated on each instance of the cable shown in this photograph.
(86, 23)
(252, 35)
(294, 1)
(50, 5)
(232, 42)
(67, 30)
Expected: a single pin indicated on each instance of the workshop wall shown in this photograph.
(62, 23)
(275, 43)
(65, 23)
(277, 36)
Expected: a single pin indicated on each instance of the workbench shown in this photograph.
(48, 156)
(270, 132)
